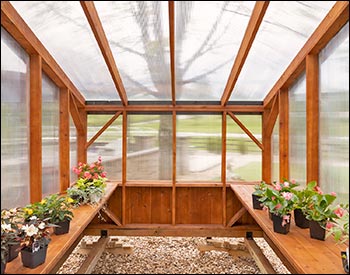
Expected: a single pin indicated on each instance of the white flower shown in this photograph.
(6, 226)
(42, 225)
(30, 230)
(33, 218)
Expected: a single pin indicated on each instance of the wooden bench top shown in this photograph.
(60, 244)
(304, 254)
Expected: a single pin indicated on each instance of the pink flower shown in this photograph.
(278, 206)
(285, 220)
(278, 187)
(286, 184)
(87, 175)
(92, 166)
(293, 181)
(95, 176)
(80, 164)
(287, 195)
(318, 190)
(329, 225)
(103, 174)
(99, 159)
(333, 194)
(339, 212)
(273, 198)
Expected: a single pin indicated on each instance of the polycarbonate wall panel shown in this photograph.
(108, 145)
(198, 147)
(73, 149)
(138, 33)
(297, 131)
(243, 156)
(64, 30)
(14, 123)
(286, 27)
(275, 140)
(50, 136)
(208, 35)
(149, 147)
(334, 116)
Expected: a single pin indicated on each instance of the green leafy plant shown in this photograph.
(59, 208)
(304, 196)
(260, 189)
(320, 208)
(339, 227)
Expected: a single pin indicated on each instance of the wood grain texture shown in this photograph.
(284, 134)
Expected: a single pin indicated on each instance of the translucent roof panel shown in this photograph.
(286, 27)
(207, 38)
(65, 32)
(138, 33)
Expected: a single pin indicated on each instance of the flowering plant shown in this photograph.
(280, 199)
(91, 185)
(339, 227)
(260, 189)
(59, 208)
(10, 219)
(35, 234)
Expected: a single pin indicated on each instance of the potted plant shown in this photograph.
(91, 185)
(280, 202)
(259, 191)
(10, 220)
(35, 237)
(303, 201)
(59, 212)
(339, 229)
(319, 211)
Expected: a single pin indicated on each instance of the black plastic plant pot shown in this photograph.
(63, 227)
(345, 261)
(33, 259)
(13, 252)
(300, 219)
(3, 267)
(317, 231)
(277, 224)
(256, 203)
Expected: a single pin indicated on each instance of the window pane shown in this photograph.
(243, 157)
(73, 146)
(297, 131)
(334, 116)
(14, 123)
(149, 147)
(198, 148)
(108, 145)
(50, 137)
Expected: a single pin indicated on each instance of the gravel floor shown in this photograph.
(172, 255)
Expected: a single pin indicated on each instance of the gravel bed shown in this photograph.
(172, 255)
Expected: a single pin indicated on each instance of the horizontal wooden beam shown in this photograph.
(20, 31)
(178, 108)
(328, 28)
(245, 129)
(109, 122)
(249, 36)
(97, 28)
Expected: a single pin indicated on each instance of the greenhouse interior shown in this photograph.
(161, 122)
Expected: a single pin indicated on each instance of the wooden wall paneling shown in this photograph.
(124, 155)
(267, 152)
(337, 17)
(82, 137)
(17, 27)
(183, 210)
(35, 139)
(249, 36)
(161, 205)
(115, 202)
(223, 165)
(284, 134)
(138, 204)
(312, 118)
(173, 197)
(64, 142)
(102, 41)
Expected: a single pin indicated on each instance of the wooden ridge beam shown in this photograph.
(249, 36)
(337, 17)
(101, 38)
(172, 50)
(240, 124)
(18, 28)
(109, 122)
(179, 108)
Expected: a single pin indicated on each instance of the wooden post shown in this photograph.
(266, 153)
(284, 134)
(64, 140)
(124, 168)
(82, 137)
(35, 144)
(173, 195)
(312, 118)
(223, 166)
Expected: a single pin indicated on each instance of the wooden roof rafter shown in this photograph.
(18, 28)
(172, 50)
(249, 36)
(337, 17)
(101, 38)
